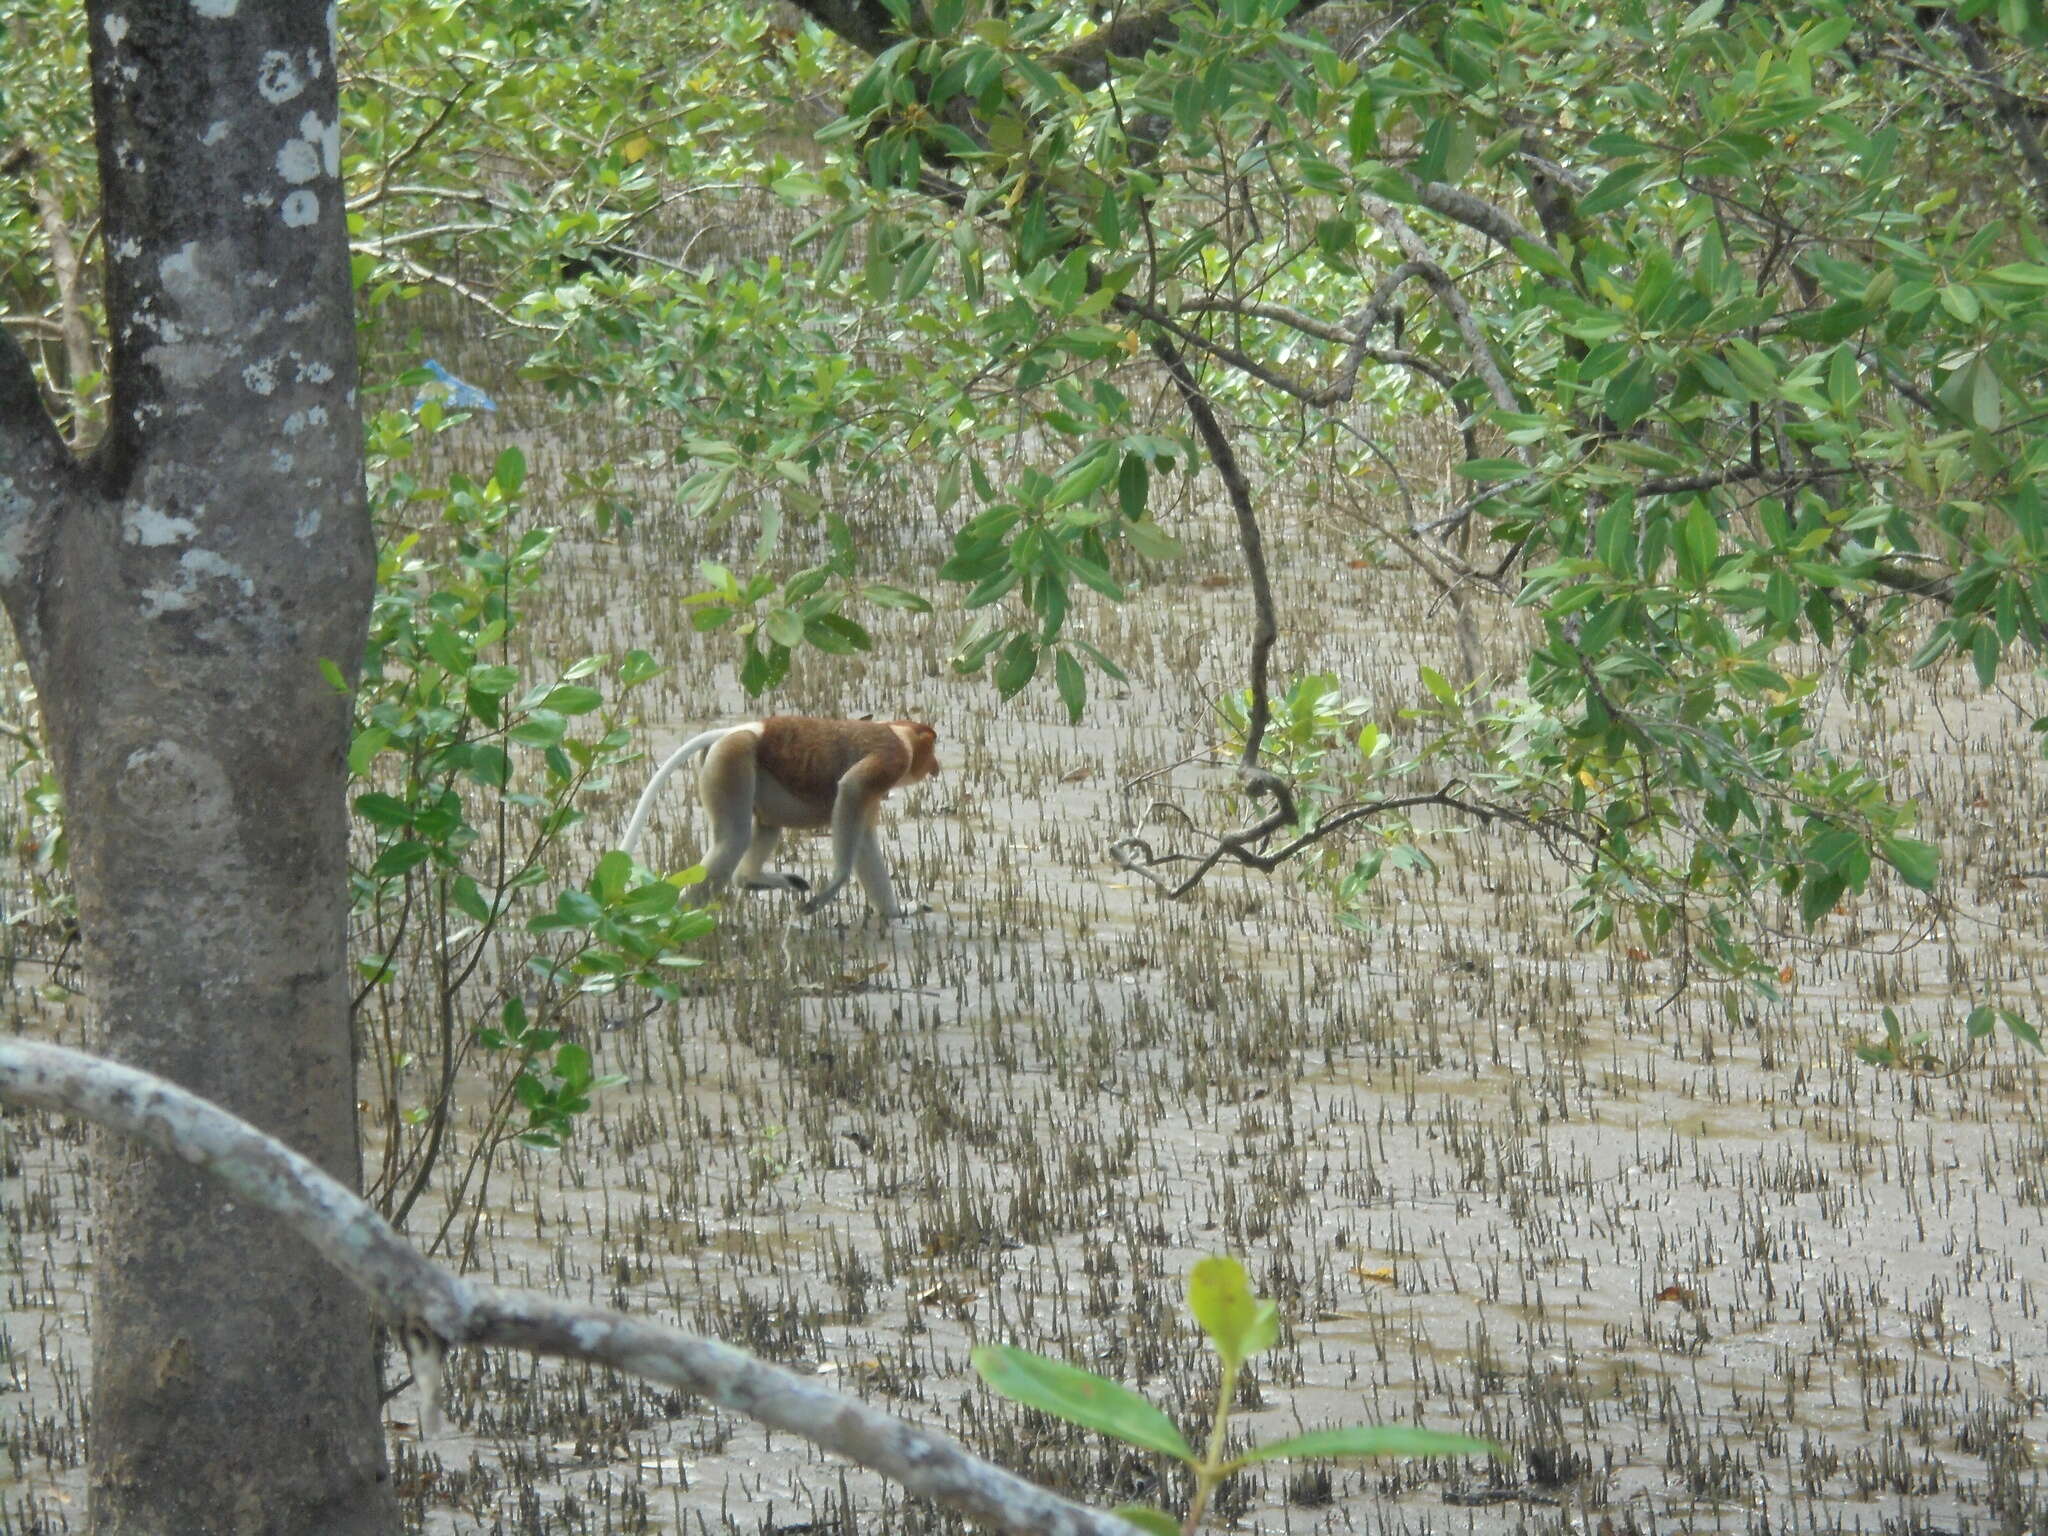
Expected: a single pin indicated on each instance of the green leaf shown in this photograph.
(1072, 683)
(1616, 188)
(1156, 1522)
(1362, 136)
(1818, 893)
(1336, 237)
(468, 899)
(510, 471)
(398, 858)
(1133, 485)
(1754, 367)
(1984, 652)
(1092, 574)
(572, 1065)
(761, 670)
(489, 765)
(1961, 302)
(884, 596)
(1840, 851)
(1090, 474)
(1972, 392)
(784, 627)
(1490, 469)
(367, 744)
(570, 699)
(1699, 541)
(449, 649)
(613, 872)
(1078, 1396)
(1439, 689)
(1151, 541)
(1370, 1440)
(493, 682)
(1109, 224)
(1238, 1323)
(573, 909)
(542, 728)
(1615, 537)
(837, 635)
(1017, 665)
(1107, 665)
(383, 810)
(1542, 258)
(1918, 863)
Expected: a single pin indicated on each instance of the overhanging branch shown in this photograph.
(1266, 626)
(868, 26)
(865, 24)
(2011, 111)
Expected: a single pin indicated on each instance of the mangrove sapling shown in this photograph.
(1239, 1325)
(469, 776)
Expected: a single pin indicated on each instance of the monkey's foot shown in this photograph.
(905, 913)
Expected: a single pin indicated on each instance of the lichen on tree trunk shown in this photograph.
(176, 595)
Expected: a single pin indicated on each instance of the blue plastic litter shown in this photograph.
(453, 393)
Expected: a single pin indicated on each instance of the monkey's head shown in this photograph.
(923, 742)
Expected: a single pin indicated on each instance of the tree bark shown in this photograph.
(175, 596)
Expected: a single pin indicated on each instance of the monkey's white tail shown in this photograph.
(696, 746)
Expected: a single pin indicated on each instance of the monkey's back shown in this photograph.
(810, 756)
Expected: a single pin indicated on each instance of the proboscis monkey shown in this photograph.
(795, 771)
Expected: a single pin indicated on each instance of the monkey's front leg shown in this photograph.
(855, 846)
(872, 868)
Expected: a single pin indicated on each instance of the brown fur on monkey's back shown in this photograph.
(810, 760)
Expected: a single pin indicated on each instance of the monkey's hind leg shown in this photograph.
(725, 788)
(754, 877)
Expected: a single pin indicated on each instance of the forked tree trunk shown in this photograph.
(175, 597)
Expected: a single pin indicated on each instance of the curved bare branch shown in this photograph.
(1475, 213)
(1266, 626)
(434, 1308)
(1352, 334)
(1135, 856)
(1398, 229)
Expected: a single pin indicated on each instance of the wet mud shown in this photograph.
(1690, 1261)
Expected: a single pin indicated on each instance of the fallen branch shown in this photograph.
(434, 1309)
